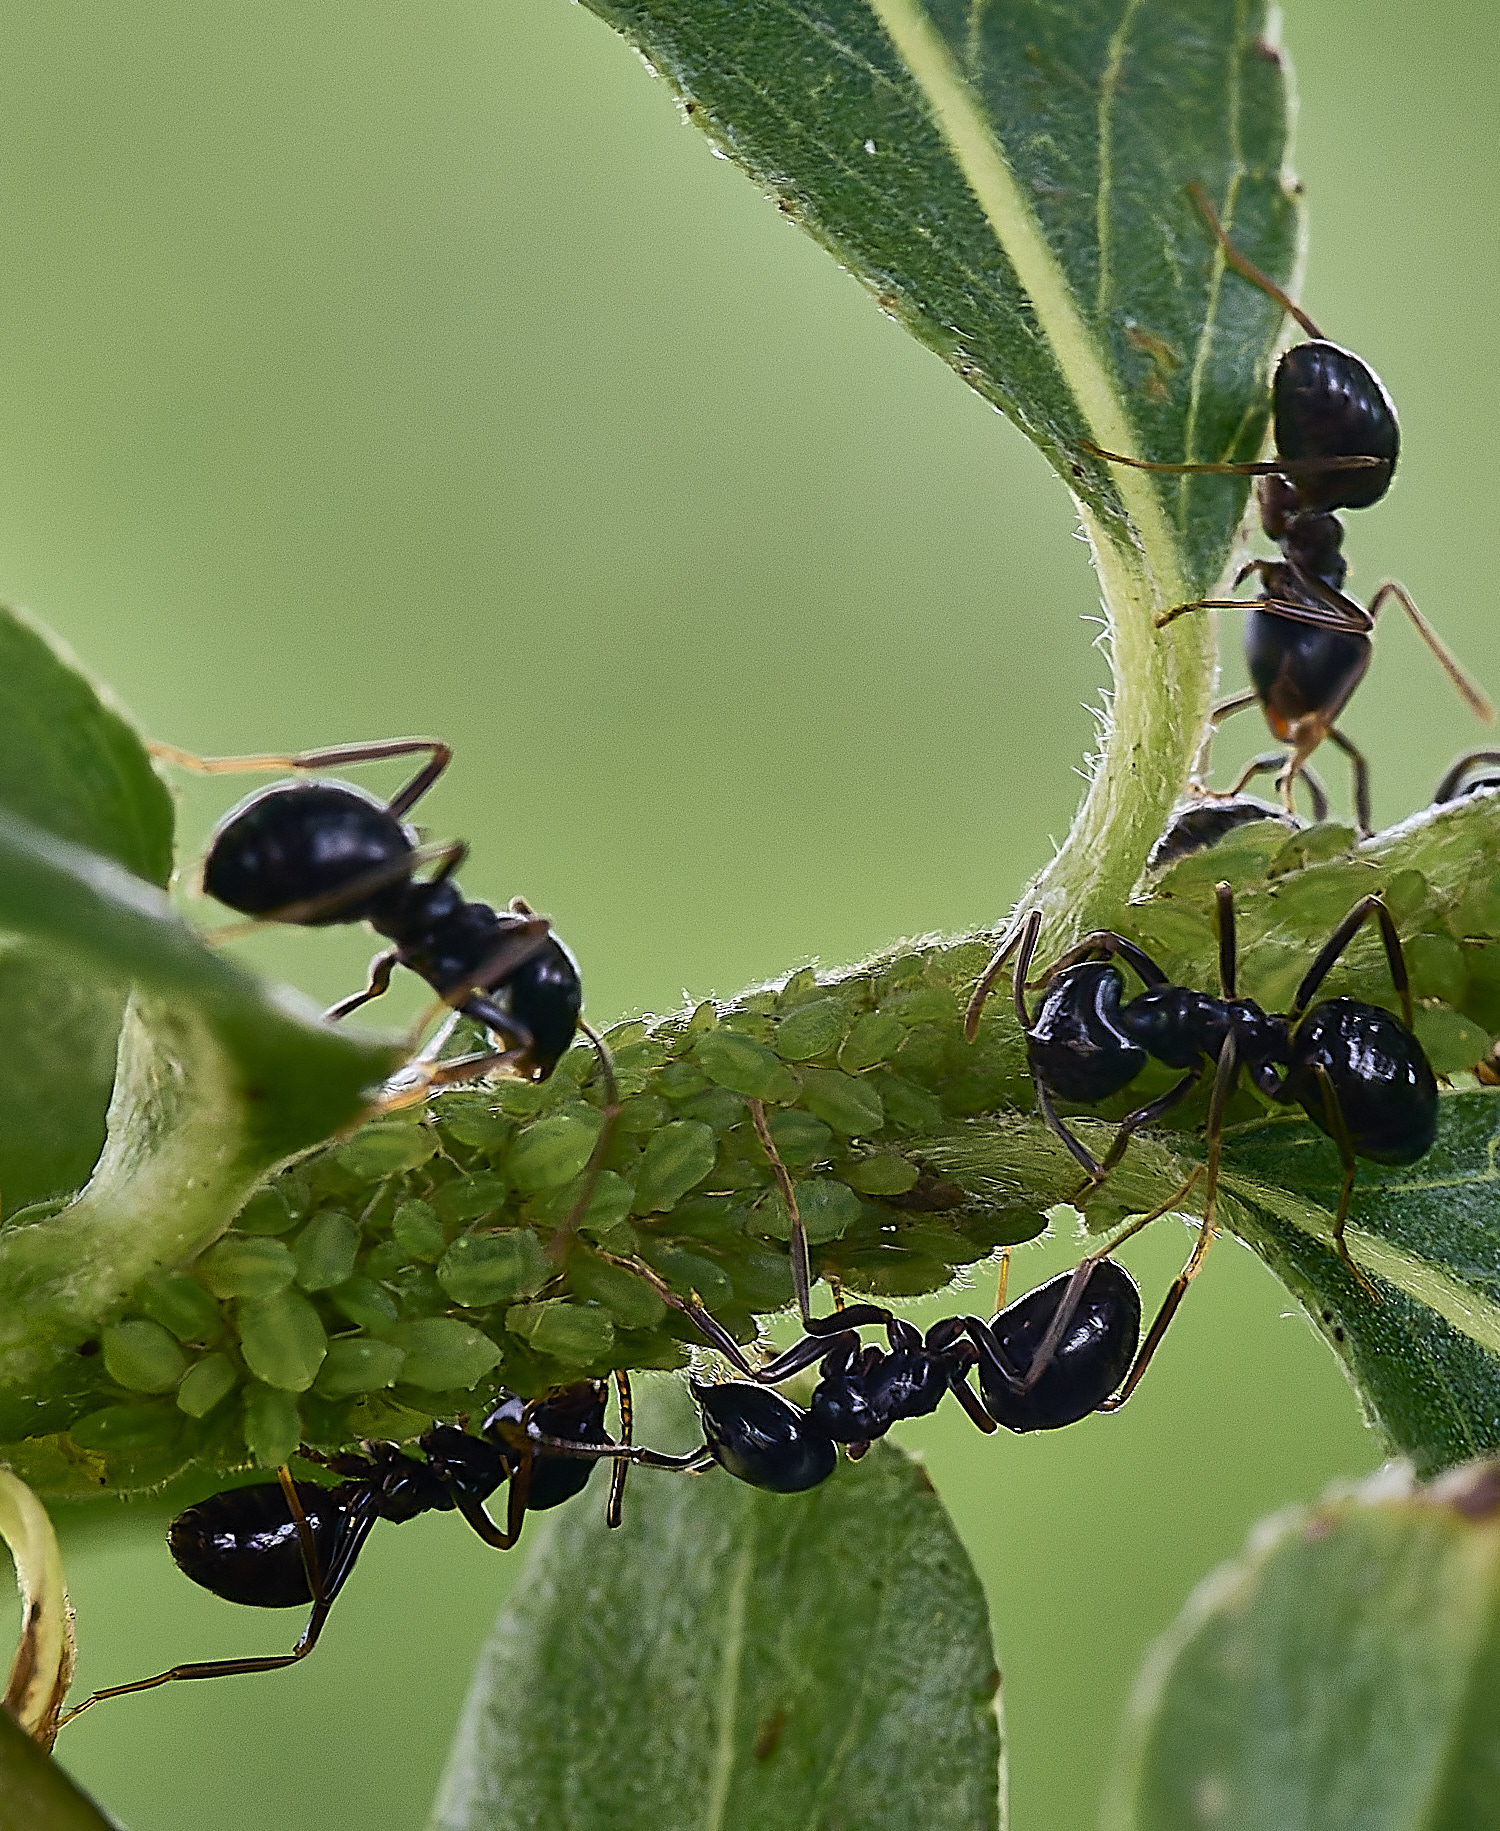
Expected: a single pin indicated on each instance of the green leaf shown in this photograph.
(35, 1794)
(42, 1668)
(71, 763)
(1344, 1673)
(219, 1078)
(1426, 1358)
(738, 1658)
(1011, 183)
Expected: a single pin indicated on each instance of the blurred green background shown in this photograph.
(387, 368)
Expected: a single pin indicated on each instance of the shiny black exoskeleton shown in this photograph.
(288, 1544)
(322, 852)
(1086, 1363)
(1359, 1073)
(1307, 644)
(763, 1439)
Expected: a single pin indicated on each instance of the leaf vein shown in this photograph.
(1109, 86)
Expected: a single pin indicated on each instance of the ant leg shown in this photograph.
(1225, 1077)
(967, 1397)
(691, 1462)
(1447, 789)
(377, 985)
(1361, 780)
(1104, 943)
(1473, 697)
(1143, 1115)
(324, 1593)
(1273, 762)
(439, 756)
(1333, 1112)
(615, 1510)
(1340, 613)
(1023, 934)
(1236, 702)
(1079, 1152)
(1246, 268)
(1366, 907)
(1295, 762)
(801, 1269)
(478, 1519)
(1224, 910)
(1261, 467)
(1002, 1281)
(712, 1331)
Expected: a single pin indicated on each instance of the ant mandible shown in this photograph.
(1359, 1074)
(1307, 644)
(323, 852)
(288, 1544)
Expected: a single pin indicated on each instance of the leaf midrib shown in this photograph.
(985, 167)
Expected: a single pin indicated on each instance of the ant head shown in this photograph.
(1330, 404)
(309, 843)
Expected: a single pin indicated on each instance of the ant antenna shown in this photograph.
(801, 1269)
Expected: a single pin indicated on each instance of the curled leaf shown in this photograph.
(42, 1668)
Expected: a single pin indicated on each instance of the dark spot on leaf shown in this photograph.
(887, 301)
(1339, 1336)
(1271, 53)
(769, 1734)
(785, 205)
(91, 1346)
(919, 1470)
(929, 1194)
(1317, 1528)
(993, 1680)
(690, 107)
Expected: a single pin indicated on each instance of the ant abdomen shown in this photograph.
(1303, 673)
(1089, 1362)
(1329, 403)
(243, 1544)
(300, 842)
(1386, 1091)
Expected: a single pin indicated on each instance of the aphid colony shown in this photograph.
(321, 852)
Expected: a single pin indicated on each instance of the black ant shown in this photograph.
(1359, 1074)
(287, 1544)
(317, 853)
(1048, 1359)
(1307, 644)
